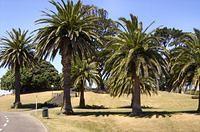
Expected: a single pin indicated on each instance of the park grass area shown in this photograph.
(28, 100)
(163, 112)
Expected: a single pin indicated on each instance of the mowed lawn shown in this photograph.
(165, 112)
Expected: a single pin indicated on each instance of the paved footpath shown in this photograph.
(20, 122)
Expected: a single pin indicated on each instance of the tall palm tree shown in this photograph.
(135, 62)
(70, 32)
(16, 52)
(187, 58)
(84, 72)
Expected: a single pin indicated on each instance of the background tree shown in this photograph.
(135, 62)
(7, 81)
(69, 32)
(168, 37)
(16, 52)
(187, 61)
(84, 72)
(106, 27)
(38, 78)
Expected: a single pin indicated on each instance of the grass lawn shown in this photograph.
(28, 100)
(163, 112)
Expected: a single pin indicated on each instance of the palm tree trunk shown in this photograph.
(17, 84)
(180, 90)
(132, 98)
(66, 62)
(82, 98)
(198, 110)
(101, 85)
(136, 101)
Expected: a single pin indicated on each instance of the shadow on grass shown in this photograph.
(143, 107)
(145, 114)
(106, 112)
(92, 107)
(39, 106)
(103, 107)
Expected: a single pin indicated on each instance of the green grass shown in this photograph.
(163, 112)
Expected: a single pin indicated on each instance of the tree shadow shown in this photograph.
(143, 107)
(101, 113)
(157, 114)
(32, 106)
(145, 114)
(92, 107)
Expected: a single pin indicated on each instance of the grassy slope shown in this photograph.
(165, 112)
(28, 100)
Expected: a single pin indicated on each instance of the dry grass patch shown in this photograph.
(28, 100)
(165, 112)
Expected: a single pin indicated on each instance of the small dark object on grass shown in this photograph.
(195, 97)
(45, 113)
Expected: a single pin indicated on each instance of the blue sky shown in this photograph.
(182, 14)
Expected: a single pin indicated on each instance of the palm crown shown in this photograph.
(134, 51)
(85, 71)
(188, 58)
(70, 24)
(16, 49)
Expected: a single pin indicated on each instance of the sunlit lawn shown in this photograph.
(163, 112)
(28, 100)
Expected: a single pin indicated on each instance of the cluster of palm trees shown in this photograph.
(127, 58)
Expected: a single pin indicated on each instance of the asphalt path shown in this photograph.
(20, 122)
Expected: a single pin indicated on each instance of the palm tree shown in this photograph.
(135, 62)
(187, 58)
(70, 32)
(84, 72)
(16, 52)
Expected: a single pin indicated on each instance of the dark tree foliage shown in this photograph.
(105, 27)
(187, 62)
(168, 38)
(39, 78)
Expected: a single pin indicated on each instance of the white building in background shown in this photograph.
(5, 92)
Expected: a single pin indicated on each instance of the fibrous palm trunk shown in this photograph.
(199, 98)
(136, 101)
(82, 98)
(101, 85)
(66, 63)
(17, 84)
